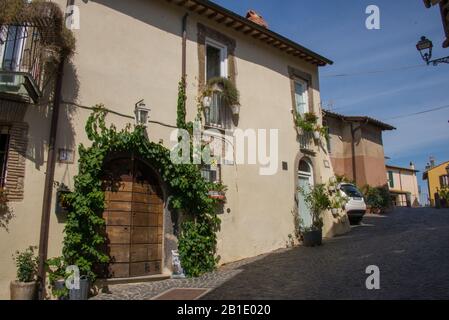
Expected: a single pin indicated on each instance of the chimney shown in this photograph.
(432, 161)
(256, 18)
(412, 165)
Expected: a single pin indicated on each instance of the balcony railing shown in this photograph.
(220, 114)
(306, 141)
(21, 62)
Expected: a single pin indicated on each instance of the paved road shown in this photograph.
(410, 246)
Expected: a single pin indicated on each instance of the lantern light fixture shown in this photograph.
(425, 47)
(141, 113)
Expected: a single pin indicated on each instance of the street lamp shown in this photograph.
(207, 102)
(141, 113)
(425, 46)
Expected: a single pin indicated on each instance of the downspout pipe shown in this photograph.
(49, 177)
(184, 46)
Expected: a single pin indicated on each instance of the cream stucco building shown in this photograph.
(132, 50)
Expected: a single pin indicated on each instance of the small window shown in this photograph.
(301, 97)
(390, 179)
(11, 47)
(4, 146)
(444, 181)
(211, 173)
(220, 115)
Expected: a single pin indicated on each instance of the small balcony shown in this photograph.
(21, 63)
(306, 141)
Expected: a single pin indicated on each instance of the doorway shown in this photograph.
(134, 218)
(305, 181)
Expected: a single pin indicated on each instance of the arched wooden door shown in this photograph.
(134, 218)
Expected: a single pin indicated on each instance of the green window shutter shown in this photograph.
(390, 179)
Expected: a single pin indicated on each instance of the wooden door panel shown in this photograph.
(146, 219)
(118, 234)
(146, 198)
(146, 252)
(117, 218)
(148, 208)
(145, 268)
(118, 206)
(144, 235)
(119, 253)
(119, 270)
(120, 196)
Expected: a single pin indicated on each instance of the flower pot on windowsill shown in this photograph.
(235, 109)
(217, 195)
(334, 211)
(313, 238)
(316, 135)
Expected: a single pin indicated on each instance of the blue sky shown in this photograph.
(336, 29)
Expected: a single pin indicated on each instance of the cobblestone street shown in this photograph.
(410, 246)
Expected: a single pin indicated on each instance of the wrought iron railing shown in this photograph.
(306, 141)
(220, 115)
(21, 61)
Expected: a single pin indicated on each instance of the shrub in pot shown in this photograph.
(58, 274)
(25, 287)
(317, 200)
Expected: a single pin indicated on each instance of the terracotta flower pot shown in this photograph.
(23, 290)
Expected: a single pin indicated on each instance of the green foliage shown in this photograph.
(56, 268)
(444, 193)
(26, 263)
(84, 231)
(230, 92)
(318, 200)
(59, 40)
(343, 179)
(377, 198)
(181, 107)
(338, 201)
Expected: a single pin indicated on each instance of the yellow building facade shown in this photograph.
(437, 177)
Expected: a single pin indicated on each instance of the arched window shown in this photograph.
(305, 166)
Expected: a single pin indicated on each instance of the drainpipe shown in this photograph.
(184, 45)
(49, 177)
(354, 168)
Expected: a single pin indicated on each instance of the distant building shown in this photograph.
(437, 177)
(403, 185)
(356, 148)
(444, 8)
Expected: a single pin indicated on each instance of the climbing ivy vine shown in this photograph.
(85, 227)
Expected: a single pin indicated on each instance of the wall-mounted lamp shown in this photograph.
(141, 113)
(425, 47)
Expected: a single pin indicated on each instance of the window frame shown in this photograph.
(444, 181)
(223, 57)
(390, 179)
(305, 95)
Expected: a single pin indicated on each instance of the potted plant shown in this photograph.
(317, 200)
(24, 288)
(227, 88)
(56, 275)
(218, 192)
(337, 203)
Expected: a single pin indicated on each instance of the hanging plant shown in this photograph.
(56, 39)
(227, 88)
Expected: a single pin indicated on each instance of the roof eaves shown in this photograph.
(282, 42)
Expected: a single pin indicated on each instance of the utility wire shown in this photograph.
(373, 71)
(418, 113)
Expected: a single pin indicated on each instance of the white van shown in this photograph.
(356, 206)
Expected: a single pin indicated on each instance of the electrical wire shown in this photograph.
(418, 113)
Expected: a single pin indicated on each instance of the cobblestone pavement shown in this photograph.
(149, 290)
(410, 246)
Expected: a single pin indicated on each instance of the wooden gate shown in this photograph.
(134, 219)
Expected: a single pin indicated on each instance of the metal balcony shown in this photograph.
(21, 62)
(306, 142)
